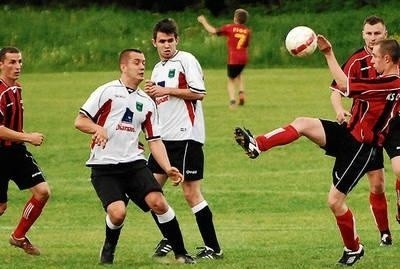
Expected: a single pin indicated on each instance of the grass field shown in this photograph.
(269, 213)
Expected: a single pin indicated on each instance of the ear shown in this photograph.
(177, 40)
(154, 43)
(387, 58)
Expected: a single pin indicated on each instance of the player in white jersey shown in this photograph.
(115, 114)
(177, 85)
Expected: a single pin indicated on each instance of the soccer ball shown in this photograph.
(301, 41)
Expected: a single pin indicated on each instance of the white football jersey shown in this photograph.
(124, 113)
(180, 119)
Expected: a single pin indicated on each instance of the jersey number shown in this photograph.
(241, 39)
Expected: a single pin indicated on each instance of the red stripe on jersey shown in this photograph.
(147, 126)
(11, 108)
(189, 104)
(101, 115)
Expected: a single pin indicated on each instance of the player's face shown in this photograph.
(11, 66)
(134, 67)
(166, 45)
(378, 59)
(373, 33)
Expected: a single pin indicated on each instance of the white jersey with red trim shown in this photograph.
(124, 113)
(180, 119)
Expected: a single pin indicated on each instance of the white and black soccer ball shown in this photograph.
(301, 41)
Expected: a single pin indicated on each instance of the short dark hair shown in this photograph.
(166, 26)
(241, 15)
(390, 47)
(124, 54)
(6, 50)
(372, 20)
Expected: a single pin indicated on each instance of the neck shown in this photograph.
(394, 70)
(132, 84)
(9, 82)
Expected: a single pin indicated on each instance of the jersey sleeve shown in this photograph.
(223, 30)
(194, 76)
(151, 124)
(93, 104)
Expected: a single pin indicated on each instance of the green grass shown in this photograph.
(89, 39)
(269, 213)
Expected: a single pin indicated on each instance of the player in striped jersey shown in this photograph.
(16, 162)
(359, 65)
(237, 41)
(177, 85)
(115, 114)
(354, 145)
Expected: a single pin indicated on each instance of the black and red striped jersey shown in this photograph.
(11, 108)
(375, 103)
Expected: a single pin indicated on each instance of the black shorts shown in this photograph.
(353, 159)
(187, 156)
(116, 182)
(235, 70)
(17, 164)
(392, 142)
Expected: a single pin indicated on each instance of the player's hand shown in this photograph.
(201, 19)
(323, 44)
(175, 176)
(156, 91)
(342, 116)
(36, 139)
(100, 137)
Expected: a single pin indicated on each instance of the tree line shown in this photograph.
(216, 7)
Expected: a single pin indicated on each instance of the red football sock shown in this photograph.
(379, 210)
(277, 137)
(347, 227)
(31, 212)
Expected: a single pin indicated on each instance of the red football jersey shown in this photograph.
(11, 109)
(238, 40)
(375, 104)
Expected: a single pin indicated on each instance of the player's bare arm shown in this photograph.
(34, 138)
(338, 75)
(159, 153)
(86, 125)
(207, 26)
(341, 113)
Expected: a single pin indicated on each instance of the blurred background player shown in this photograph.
(238, 40)
(16, 162)
(359, 65)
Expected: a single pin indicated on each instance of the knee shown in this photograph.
(41, 192)
(157, 202)
(376, 182)
(193, 196)
(117, 212)
(3, 207)
(334, 204)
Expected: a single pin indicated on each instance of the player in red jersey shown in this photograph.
(16, 162)
(359, 65)
(238, 40)
(354, 145)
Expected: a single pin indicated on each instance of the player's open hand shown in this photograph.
(323, 44)
(175, 176)
(100, 137)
